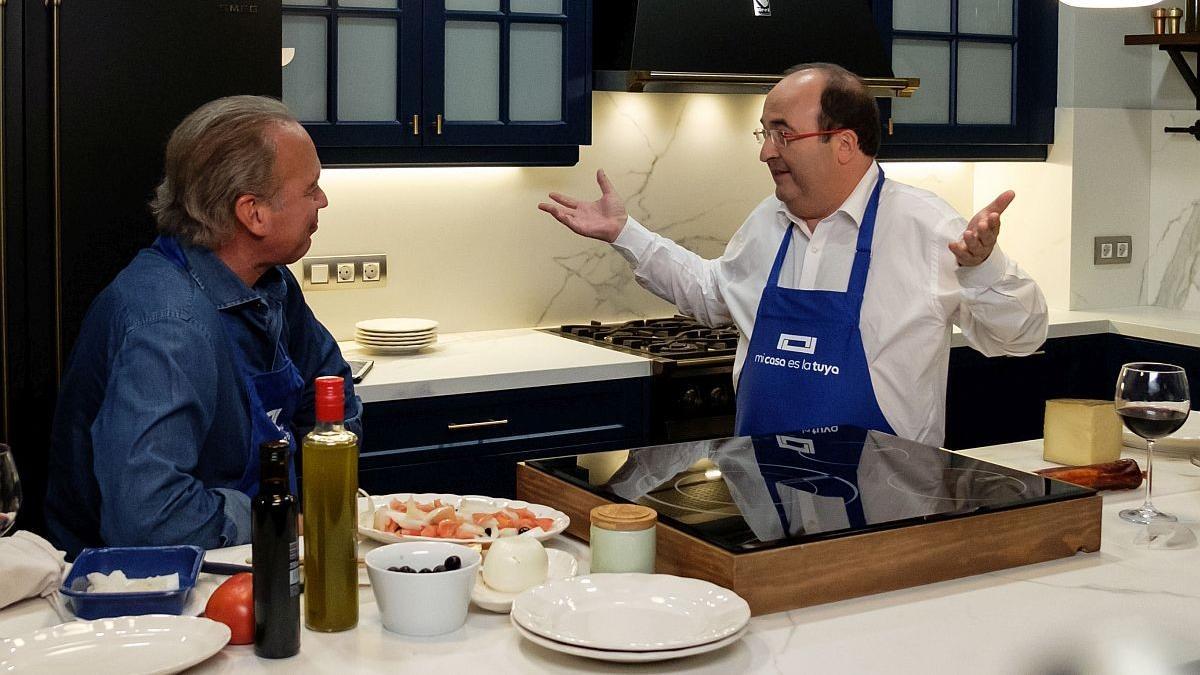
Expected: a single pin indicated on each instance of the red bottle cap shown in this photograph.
(331, 399)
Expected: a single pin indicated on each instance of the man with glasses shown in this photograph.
(844, 284)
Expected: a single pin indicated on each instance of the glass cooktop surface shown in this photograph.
(753, 493)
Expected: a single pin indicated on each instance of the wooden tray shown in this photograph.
(855, 565)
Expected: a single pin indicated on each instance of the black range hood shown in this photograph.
(734, 46)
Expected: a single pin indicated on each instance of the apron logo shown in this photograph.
(803, 446)
(762, 7)
(801, 344)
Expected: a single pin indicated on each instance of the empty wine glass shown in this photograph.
(10, 490)
(1153, 402)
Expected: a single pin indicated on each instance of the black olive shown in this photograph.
(453, 562)
(523, 530)
(407, 570)
(439, 568)
(487, 531)
(424, 570)
(395, 569)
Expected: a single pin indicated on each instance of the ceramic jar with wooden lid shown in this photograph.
(622, 538)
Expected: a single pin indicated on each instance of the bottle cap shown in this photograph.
(624, 517)
(331, 399)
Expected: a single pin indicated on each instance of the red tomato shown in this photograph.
(233, 605)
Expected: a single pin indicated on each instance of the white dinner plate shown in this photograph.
(562, 565)
(386, 342)
(408, 349)
(628, 657)
(392, 333)
(631, 612)
(397, 336)
(1186, 441)
(396, 325)
(366, 516)
(128, 645)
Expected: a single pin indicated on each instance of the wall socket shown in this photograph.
(1112, 250)
(344, 272)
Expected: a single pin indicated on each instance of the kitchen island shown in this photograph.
(1127, 608)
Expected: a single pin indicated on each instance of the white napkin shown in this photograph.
(29, 566)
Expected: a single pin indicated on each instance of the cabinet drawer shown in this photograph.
(515, 420)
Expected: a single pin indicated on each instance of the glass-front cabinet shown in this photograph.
(440, 81)
(988, 72)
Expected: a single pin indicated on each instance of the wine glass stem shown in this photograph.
(1149, 474)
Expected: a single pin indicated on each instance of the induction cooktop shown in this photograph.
(752, 493)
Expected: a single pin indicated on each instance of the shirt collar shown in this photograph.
(855, 205)
(222, 286)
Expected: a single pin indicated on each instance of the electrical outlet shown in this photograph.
(1114, 250)
(349, 271)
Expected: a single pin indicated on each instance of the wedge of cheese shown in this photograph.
(1081, 431)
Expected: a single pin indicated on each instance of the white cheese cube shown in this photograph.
(1081, 431)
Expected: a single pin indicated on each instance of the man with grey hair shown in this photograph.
(202, 348)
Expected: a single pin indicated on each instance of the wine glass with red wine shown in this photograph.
(1153, 402)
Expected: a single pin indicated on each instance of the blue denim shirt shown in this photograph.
(152, 427)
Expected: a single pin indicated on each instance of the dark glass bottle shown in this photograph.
(276, 558)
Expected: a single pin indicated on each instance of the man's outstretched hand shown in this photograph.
(602, 219)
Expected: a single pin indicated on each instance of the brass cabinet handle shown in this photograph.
(56, 161)
(416, 125)
(476, 425)
(438, 124)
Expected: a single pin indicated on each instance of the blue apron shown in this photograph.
(272, 396)
(806, 367)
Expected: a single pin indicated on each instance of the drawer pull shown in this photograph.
(476, 425)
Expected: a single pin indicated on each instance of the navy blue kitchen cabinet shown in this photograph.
(1002, 399)
(418, 82)
(470, 444)
(988, 71)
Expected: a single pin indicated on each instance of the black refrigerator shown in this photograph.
(91, 90)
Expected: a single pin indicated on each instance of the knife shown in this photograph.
(227, 569)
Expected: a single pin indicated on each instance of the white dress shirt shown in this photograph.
(915, 290)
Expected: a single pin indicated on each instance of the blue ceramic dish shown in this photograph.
(135, 562)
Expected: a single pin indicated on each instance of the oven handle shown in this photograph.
(475, 425)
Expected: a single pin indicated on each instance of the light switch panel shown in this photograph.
(343, 272)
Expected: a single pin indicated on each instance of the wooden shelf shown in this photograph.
(1175, 45)
(1176, 40)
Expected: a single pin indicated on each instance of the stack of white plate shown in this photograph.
(395, 336)
(630, 617)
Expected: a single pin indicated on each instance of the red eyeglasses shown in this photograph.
(780, 137)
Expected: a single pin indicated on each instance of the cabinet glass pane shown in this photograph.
(378, 4)
(921, 15)
(367, 69)
(930, 61)
(474, 5)
(306, 3)
(304, 79)
(984, 83)
(537, 6)
(535, 72)
(993, 17)
(472, 71)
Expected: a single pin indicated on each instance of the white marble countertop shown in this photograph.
(466, 363)
(1126, 608)
(1152, 323)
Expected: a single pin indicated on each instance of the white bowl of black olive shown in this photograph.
(422, 587)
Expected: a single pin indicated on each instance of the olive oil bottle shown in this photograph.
(330, 457)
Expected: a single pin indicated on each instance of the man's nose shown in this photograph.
(767, 151)
(323, 199)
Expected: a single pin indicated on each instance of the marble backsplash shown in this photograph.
(469, 248)
(1172, 277)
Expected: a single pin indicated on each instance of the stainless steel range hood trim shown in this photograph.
(662, 80)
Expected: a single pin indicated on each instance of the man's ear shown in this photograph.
(250, 211)
(847, 145)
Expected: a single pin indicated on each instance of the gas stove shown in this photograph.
(692, 394)
(676, 339)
